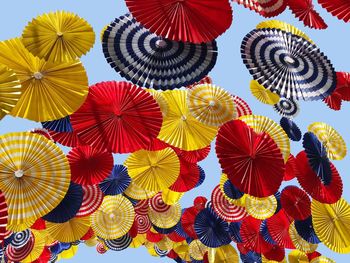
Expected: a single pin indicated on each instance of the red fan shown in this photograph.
(183, 20)
(313, 255)
(44, 256)
(312, 184)
(278, 226)
(157, 204)
(296, 202)
(154, 237)
(100, 248)
(3, 217)
(224, 209)
(141, 207)
(39, 224)
(156, 145)
(92, 199)
(18, 254)
(199, 202)
(338, 8)
(291, 169)
(187, 221)
(69, 139)
(249, 159)
(134, 230)
(193, 156)
(118, 116)
(305, 12)
(173, 236)
(43, 132)
(276, 253)
(188, 178)
(341, 92)
(88, 165)
(242, 107)
(266, 8)
(89, 234)
(143, 223)
(251, 236)
(205, 80)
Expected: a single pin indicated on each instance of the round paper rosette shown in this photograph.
(117, 182)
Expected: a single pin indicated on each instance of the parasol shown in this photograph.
(117, 182)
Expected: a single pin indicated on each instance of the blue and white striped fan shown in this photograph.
(151, 61)
(288, 64)
(287, 108)
(119, 243)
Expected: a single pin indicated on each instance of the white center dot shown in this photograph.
(19, 173)
(38, 75)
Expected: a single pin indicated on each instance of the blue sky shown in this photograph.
(229, 73)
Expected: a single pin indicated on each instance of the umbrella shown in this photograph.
(60, 125)
(305, 12)
(330, 138)
(10, 90)
(211, 230)
(291, 129)
(188, 178)
(331, 224)
(69, 231)
(153, 170)
(136, 192)
(34, 176)
(180, 128)
(58, 36)
(117, 182)
(288, 64)
(306, 230)
(244, 154)
(338, 8)
(211, 104)
(39, 244)
(223, 254)
(117, 116)
(168, 17)
(263, 95)
(287, 108)
(266, 8)
(151, 61)
(166, 218)
(3, 217)
(50, 91)
(262, 124)
(261, 208)
(197, 249)
(89, 165)
(68, 207)
(296, 202)
(299, 242)
(241, 106)
(113, 218)
(92, 199)
(120, 243)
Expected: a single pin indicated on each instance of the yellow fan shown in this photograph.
(180, 128)
(165, 219)
(34, 176)
(58, 36)
(10, 90)
(223, 254)
(297, 256)
(69, 231)
(183, 252)
(331, 139)
(197, 249)
(138, 241)
(91, 242)
(153, 170)
(299, 242)
(322, 259)
(332, 224)
(170, 197)
(263, 95)
(69, 253)
(211, 104)
(165, 244)
(114, 218)
(261, 208)
(283, 26)
(136, 192)
(264, 124)
(240, 201)
(50, 91)
(163, 104)
(39, 244)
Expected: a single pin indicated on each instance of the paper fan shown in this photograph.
(266, 8)
(3, 217)
(19, 239)
(331, 224)
(263, 95)
(136, 192)
(92, 199)
(187, 179)
(223, 254)
(241, 106)
(117, 116)
(297, 256)
(260, 208)
(187, 221)
(89, 165)
(264, 231)
(60, 125)
(39, 244)
(119, 244)
(305, 12)
(170, 197)
(163, 104)
(321, 259)
(69, 139)
(263, 124)
(287, 108)
(291, 129)
(338, 8)
(58, 36)
(243, 155)
(295, 202)
(275, 254)
(167, 17)
(193, 156)
(283, 26)
(143, 224)
(211, 229)
(288, 64)
(153, 170)
(166, 218)
(113, 218)
(18, 254)
(69, 231)
(117, 182)
(205, 80)
(312, 184)
(180, 128)
(317, 156)
(230, 191)
(50, 91)
(10, 90)
(30, 191)
(299, 242)
(157, 204)
(211, 104)
(341, 92)
(306, 230)
(150, 61)
(331, 139)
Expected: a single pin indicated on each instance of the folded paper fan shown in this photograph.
(117, 182)
(3, 217)
(60, 125)
(296, 202)
(266, 8)
(167, 218)
(262, 94)
(261, 208)
(338, 8)
(287, 108)
(241, 106)
(92, 199)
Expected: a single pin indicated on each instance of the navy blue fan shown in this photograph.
(306, 230)
(117, 182)
(251, 257)
(291, 129)
(61, 125)
(201, 176)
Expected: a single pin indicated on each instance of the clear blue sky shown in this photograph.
(229, 73)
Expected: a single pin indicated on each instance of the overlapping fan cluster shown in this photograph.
(166, 118)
